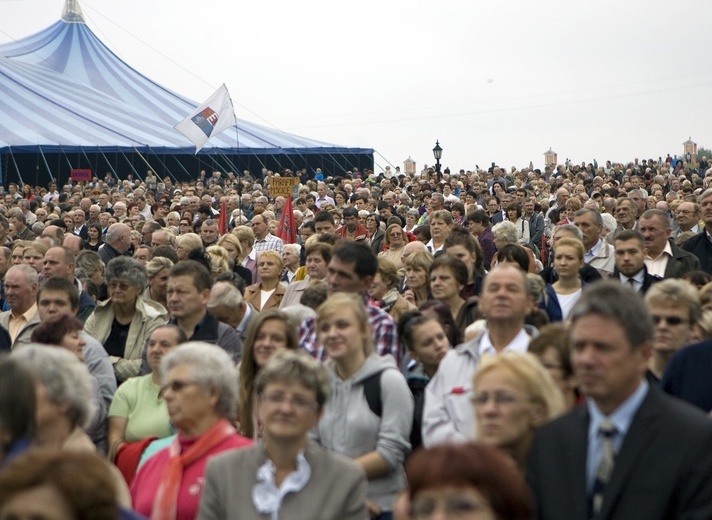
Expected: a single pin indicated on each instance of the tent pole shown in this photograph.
(129, 163)
(46, 164)
(107, 162)
(16, 167)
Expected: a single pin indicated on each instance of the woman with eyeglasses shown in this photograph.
(393, 244)
(124, 321)
(249, 484)
(185, 226)
(512, 395)
(370, 415)
(200, 391)
(465, 481)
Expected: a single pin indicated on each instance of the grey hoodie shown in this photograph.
(348, 426)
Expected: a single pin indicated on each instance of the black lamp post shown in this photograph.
(437, 153)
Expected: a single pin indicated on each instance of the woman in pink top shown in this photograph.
(200, 390)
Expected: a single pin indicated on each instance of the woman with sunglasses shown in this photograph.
(199, 387)
(393, 244)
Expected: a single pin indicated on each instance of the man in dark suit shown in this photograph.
(630, 261)
(700, 244)
(664, 258)
(631, 452)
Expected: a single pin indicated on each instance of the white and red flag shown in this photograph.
(209, 119)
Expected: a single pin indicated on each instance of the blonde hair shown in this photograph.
(231, 239)
(339, 301)
(274, 255)
(219, 260)
(244, 234)
(572, 242)
(527, 371)
(189, 242)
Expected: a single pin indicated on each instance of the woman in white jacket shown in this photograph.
(370, 413)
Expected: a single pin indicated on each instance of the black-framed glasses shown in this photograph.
(297, 402)
(670, 320)
(176, 386)
(499, 398)
(453, 507)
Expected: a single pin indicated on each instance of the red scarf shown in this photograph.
(164, 505)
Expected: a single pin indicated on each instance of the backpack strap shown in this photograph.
(372, 392)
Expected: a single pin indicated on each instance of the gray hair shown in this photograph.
(65, 378)
(506, 231)
(643, 194)
(294, 248)
(125, 268)
(297, 366)
(610, 299)
(224, 294)
(704, 195)
(30, 275)
(157, 264)
(597, 220)
(210, 367)
(609, 222)
(298, 314)
(571, 228)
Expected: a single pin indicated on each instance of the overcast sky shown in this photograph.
(494, 81)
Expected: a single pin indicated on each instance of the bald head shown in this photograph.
(118, 236)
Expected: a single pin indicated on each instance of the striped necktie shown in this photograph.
(605, 465)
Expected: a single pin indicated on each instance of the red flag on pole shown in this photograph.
(287, 226)
(222, 223)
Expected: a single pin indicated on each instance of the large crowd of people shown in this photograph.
(484, 344)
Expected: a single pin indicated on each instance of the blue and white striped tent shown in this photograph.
(66, 99)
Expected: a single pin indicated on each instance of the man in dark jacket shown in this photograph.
(188, 294)
(701, 245)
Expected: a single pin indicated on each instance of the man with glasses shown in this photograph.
(687, 218)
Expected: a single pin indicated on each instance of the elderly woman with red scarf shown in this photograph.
(200, 390)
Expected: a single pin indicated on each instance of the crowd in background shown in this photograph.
(488, 343)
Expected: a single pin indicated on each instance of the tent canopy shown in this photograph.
(65, 92)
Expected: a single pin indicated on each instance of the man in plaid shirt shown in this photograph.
(264, 240)
(352, 268)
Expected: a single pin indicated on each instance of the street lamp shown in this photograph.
(437, 153)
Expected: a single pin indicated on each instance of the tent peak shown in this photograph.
(72, 12)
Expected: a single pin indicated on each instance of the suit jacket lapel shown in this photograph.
(634, 446)
(576, 454)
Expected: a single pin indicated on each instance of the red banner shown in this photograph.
(222, 223)
(287, 226)
(78, 174)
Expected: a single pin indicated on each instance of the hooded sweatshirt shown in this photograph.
(348, 426)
